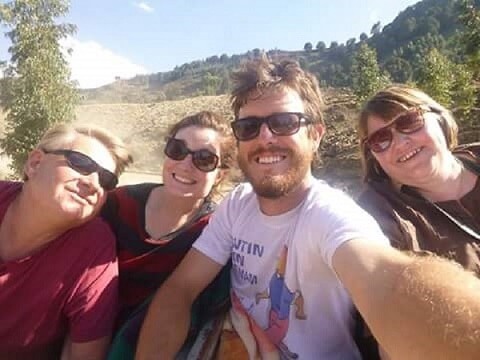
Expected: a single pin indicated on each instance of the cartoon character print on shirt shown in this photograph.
(281, 298)
(270, 340)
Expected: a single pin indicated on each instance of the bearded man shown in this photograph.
(303, 254)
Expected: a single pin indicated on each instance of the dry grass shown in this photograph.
(143, 126)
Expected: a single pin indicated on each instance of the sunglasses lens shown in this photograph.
(380, 140)
(107, 179)
(205, 160)
(284, 123)
(409, 122)
(85, 166)
(246, 129)
(81, 163)
(176, 149)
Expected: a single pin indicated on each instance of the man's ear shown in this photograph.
(316, 133)
(33, 162)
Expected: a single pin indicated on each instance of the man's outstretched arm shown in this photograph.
(417, 307)
(166, 325)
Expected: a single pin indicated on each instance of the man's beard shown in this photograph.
(275, 186)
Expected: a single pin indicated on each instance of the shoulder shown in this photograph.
(324, 198)
(95, 234)
(137, 191)
(372, 200)
(9, 188)
(126, 200)
(470, 155)
(239, 198)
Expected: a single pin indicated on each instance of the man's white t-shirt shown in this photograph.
(283, 283)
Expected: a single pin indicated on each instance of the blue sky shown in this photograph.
(124, 37)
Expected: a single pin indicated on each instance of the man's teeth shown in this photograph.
(409, 155)
(269, 159)
(183, 180)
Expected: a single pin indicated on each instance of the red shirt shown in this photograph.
(69, 286)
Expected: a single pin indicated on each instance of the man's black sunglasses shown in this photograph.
(282, 124)
(203, 159)
(84, 165)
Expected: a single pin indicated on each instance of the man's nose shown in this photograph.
(91, 181)
(265, 134)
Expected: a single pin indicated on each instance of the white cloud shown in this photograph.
(144, 6)
(373, 16)
(93, 65)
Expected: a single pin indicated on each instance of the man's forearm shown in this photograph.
(165, 327)
(437, 304)
(417, 307)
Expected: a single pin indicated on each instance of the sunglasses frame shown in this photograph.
(194, 153)
(107, 184)
(420, 114)
(302, 120)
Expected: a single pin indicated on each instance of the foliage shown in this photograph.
(211, 83)
(463, 94)
(308, 47)
(449, 83)
(321, 46)
(470, 36)
(39, 92)
(435, 77)
(399, 69)
(367, 77)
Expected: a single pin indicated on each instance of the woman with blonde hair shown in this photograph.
(421, 186)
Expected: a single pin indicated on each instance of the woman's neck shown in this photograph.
(451, 182)
(166, 213)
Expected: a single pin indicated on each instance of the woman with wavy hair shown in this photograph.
(156, 224)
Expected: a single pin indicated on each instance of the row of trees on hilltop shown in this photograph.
(400, 47)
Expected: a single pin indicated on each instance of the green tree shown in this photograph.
(367, 78)
(211, 83)
(40, 93)
(435, 76)
(463, 95)
(308, 47)
(449, 83)
(399, 69)
(321, 46)
(470, 36)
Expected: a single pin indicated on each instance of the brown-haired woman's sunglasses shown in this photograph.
(407, 122)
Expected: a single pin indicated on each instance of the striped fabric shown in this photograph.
(144, 266)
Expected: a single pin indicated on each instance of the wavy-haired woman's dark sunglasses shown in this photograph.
(84, 165)
(283, 124)
(203, 159)
(406, 123)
